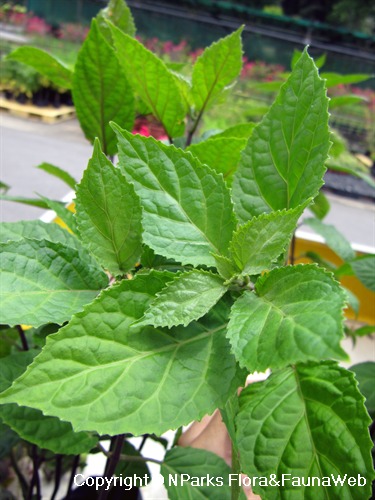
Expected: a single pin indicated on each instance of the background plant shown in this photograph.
(173, 280)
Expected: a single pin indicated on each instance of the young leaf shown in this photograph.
(120, 15)
(321, 206)
(97, 359)
(152, 81)
(179, 463)
(258, 243)
(334, 239)
(44, 282)
(295, 315)
(365, 374)
(283, 162)
(317, 420)
(62, 212)
(239, 131)
(222, 154)
(45, 63)
(34, 202)
(216, 68)
(101, 91)
(187, 210)
(30, 424)
(37, 230)
(185, 299)
(108, 215)
(59, 173)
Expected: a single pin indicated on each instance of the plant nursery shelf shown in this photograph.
(47, 115)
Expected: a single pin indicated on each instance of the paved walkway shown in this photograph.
(27, 143)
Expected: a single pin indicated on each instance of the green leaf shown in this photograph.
(283, 162)
(62, 212)
(316, 419)
(185, 472)
(152, 81)
(344, 100)
(222, 154)
(349, 164)
(364, 269)
(335, 240)
(30, 424)
(44, 63)
(216, 68)
(44, 282)
(37, 230)
(4, 188)
(34, 202)
(98, 359)
(365, 374)
(185, 299)
(59, 173)
(259, 242)
(120, 15)
(295, 315)
(8, 439)
(108, 215)
(187, 210)
(239, 131)
(101, 91)
(321, 206)
(225, 266)
(333, 79)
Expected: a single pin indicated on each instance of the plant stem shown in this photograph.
(194, 128)
(144, 439)
(236, 469)
(292, 249)
(112, 462)
(136, 458)
(20, 476)
(25, 345)
(58, 471)
(75, 465)
(35, 480)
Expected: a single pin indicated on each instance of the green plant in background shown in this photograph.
(172, 284)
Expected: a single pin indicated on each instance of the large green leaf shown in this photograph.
(222, 154)
(216, 68)
(192, 473)
(365, 374)
(187, 298)
(187, 210)
(98, 359)
(44, 282)
(30, 424)
(101, 91)
(108, 215)
(120, 15)
(305, 422)
(321, 206)
(37, 230)
(45, 63)
(283, 162)
(259, 242)
(295, 315)
(152, 81)
(333, 238)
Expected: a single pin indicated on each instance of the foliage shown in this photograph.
(172, 287)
